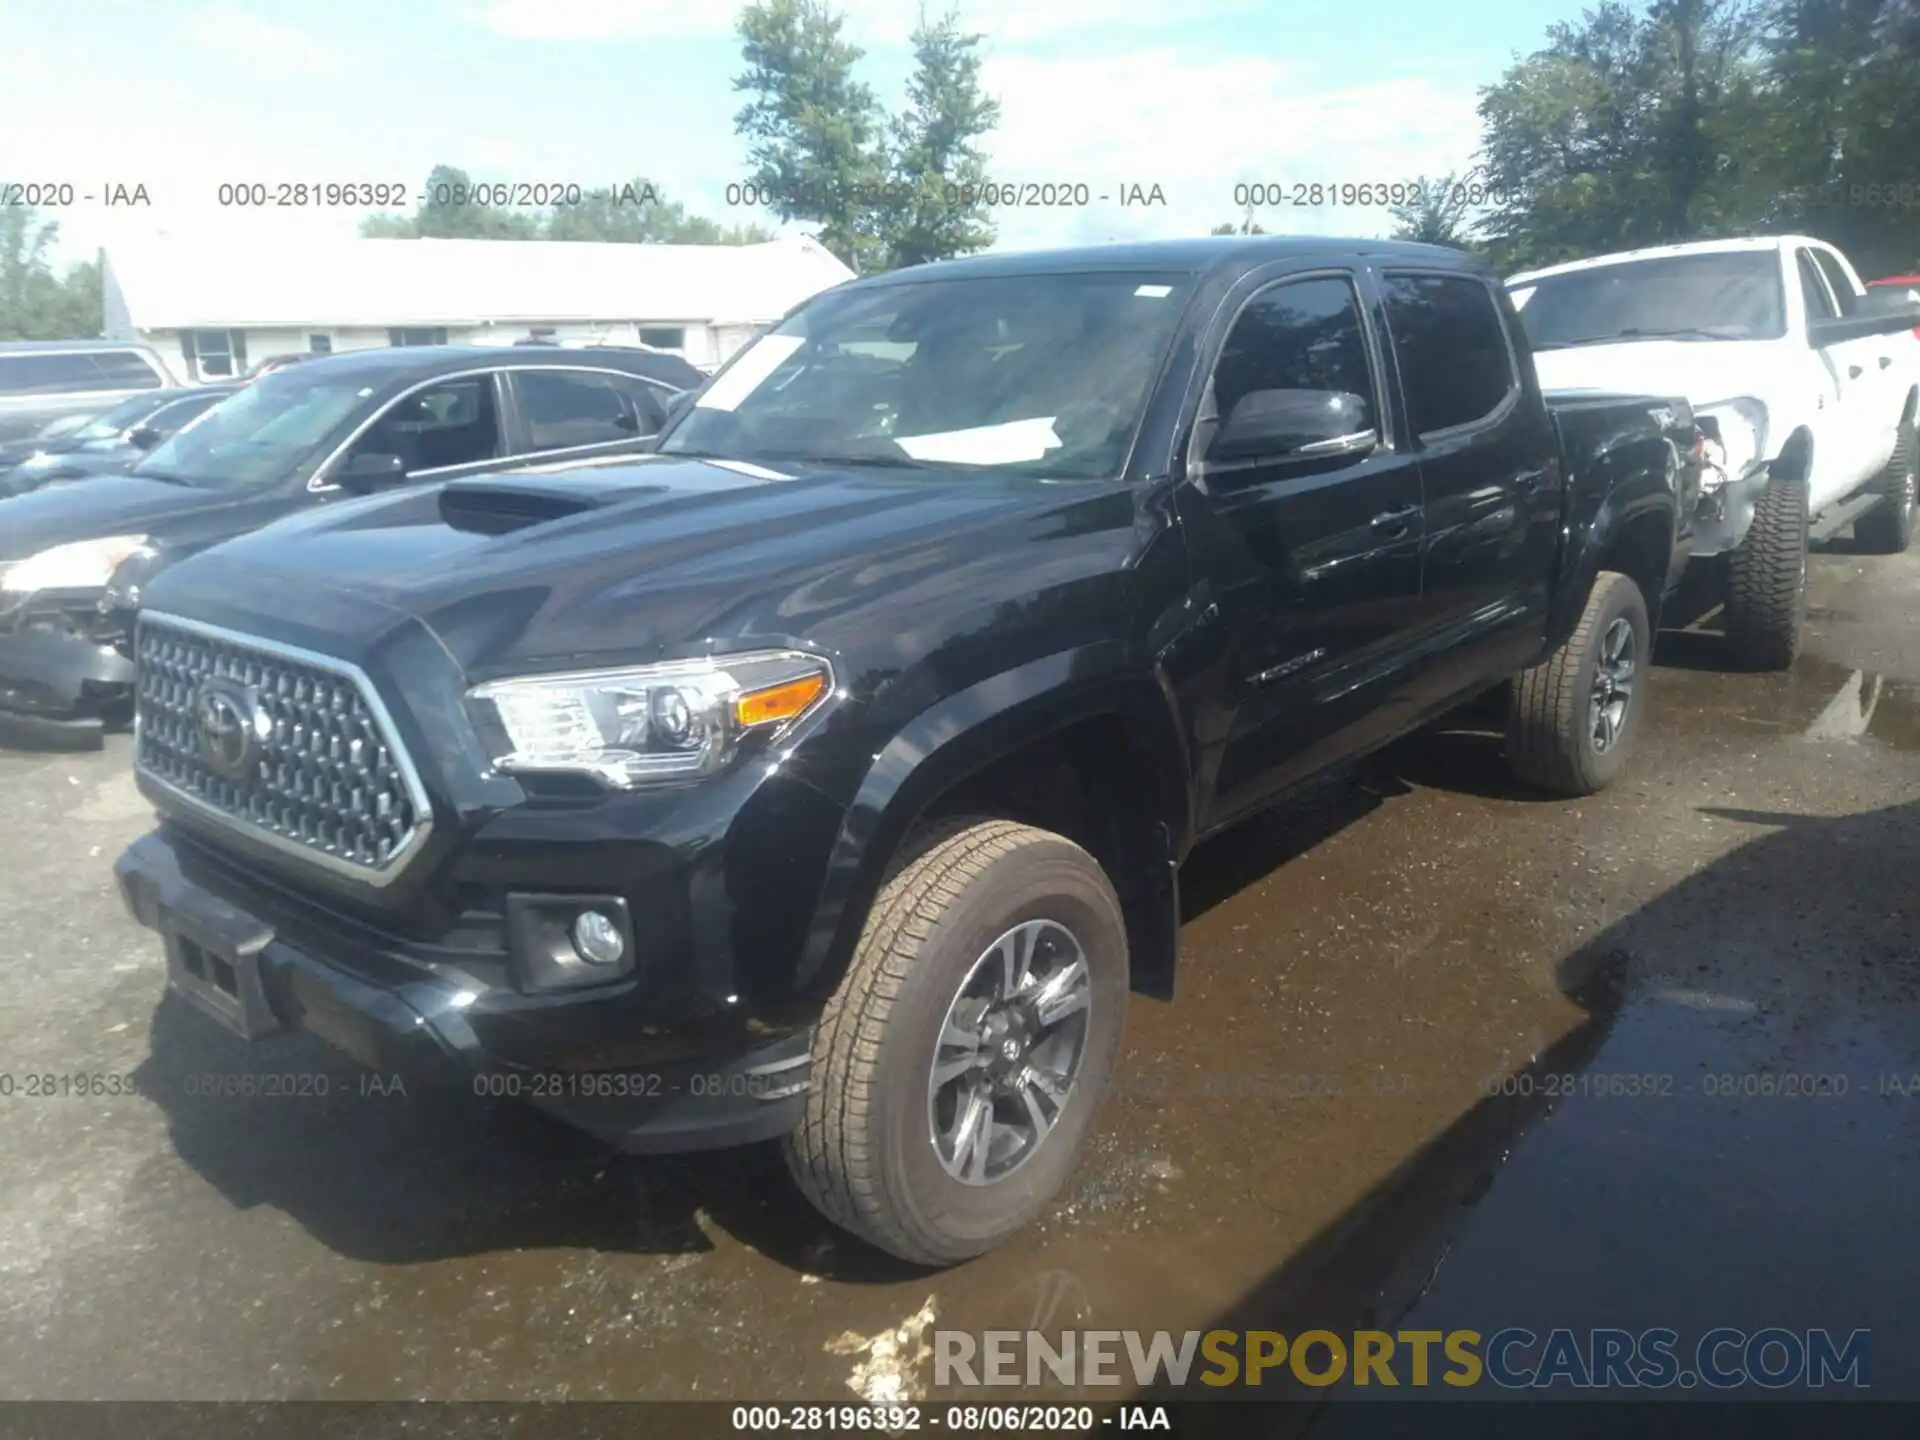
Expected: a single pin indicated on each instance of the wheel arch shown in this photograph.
(1069, 742)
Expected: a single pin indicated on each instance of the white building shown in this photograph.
(213, 310)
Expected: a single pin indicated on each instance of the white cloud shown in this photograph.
(266, 48)
(869, 22)
(1197, 128)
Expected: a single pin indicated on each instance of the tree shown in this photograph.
(35, 304)
(1625, 130)
(813, 130)
(883, 191)
(936, 165)
(1245, 227)
(1439, 213)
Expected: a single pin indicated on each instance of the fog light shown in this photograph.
(597, 937)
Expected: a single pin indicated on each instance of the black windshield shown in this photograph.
(1725, 295)
(1040, 373)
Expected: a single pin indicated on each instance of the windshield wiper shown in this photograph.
(165, 477)
(891, 462)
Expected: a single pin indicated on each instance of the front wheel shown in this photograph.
(958, 1068)
(1574, 715)
(1767, 580)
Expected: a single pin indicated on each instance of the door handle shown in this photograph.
(1853, 372)
(1886, 362)
(1394, 522)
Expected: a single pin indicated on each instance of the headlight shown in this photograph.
(671, 721)
(1743, 440)
(82, 565)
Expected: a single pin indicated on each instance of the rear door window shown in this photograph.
(1455, 363)
(565, 409)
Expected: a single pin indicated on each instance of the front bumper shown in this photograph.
(260, 967)
(60, 679)
(1723, 516)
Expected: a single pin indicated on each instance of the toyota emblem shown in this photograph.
(231, 727)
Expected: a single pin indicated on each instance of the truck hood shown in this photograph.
(659, 555)
(169, 515)
(1700, 371)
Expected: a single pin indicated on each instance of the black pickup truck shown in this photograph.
(826, 774)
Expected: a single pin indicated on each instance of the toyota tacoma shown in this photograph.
(824, 775)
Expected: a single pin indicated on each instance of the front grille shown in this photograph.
(321, 773)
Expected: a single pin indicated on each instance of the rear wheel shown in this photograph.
(958, 1068)
(1887, 529)
(1767, 580)
(1573, 717)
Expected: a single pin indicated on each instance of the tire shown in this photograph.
(1767, 580)
(866, 1153)
(1887, 529)
(1554, 735)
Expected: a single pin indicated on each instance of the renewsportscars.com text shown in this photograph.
(1513, 1358)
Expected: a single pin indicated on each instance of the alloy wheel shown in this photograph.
(1613, 680)
(1009, 1052)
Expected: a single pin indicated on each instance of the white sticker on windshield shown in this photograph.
(1154, 292)
(1520, 297)
(1007, 444)
(749, 372)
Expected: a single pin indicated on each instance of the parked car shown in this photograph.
(113, 441)
(43, 380)
(824, 776)
(1809, 390)
(12, 452)
(74, 558)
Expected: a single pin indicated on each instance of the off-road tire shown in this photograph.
(1766, 598)
(1550, 741)
(1887, 529)
(864, 1154)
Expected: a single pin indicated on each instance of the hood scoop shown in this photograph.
(494, 507)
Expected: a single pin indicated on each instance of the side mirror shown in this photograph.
(143, 437)
(1294, 425)
(369, 471)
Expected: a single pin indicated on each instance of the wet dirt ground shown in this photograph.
(1304, 1138)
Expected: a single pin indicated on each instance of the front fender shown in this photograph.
(1628, 486)
(959, 737)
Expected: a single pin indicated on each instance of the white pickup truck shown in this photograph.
(1804, 382)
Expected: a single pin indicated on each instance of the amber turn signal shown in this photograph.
(778, 702)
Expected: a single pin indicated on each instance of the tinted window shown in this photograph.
(453, 422)
(57, 374)
(1455, 365)
(1813, 289)
(127, 370)
(123, 416)
(1729, 295)
(1046, 373)
(1301, 335)
(564, 408)
(169, 418)
(320, 344)
(1837, 281)
(663, 337)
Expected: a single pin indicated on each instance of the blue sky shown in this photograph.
(1194, 97)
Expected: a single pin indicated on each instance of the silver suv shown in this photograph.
(43, 381)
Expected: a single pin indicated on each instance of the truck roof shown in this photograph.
(1654, 252)
(1202, 255)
